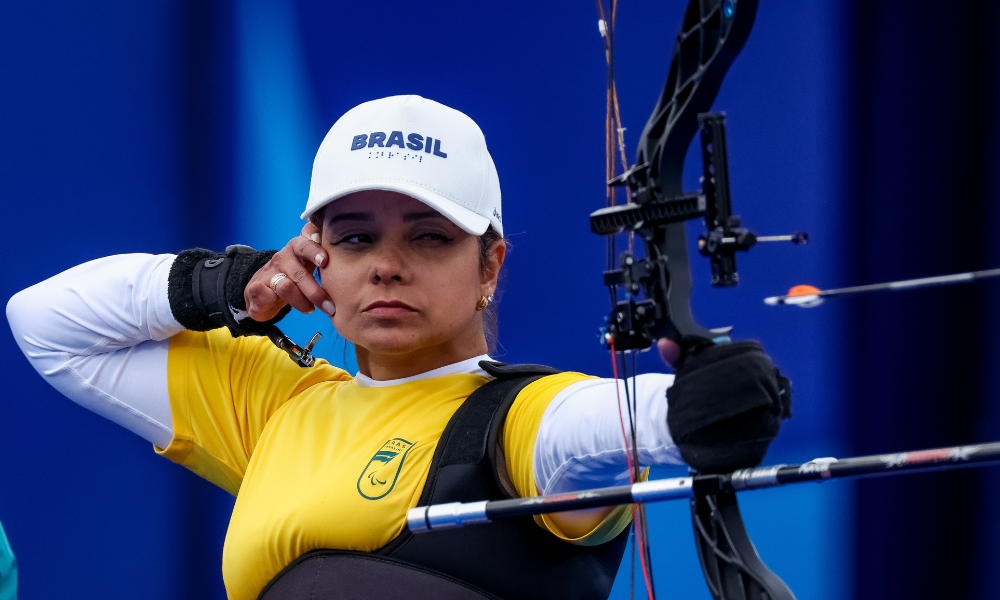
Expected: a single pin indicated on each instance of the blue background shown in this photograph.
(158, 126)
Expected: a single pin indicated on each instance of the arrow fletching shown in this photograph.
(804, 296)
(807, 296)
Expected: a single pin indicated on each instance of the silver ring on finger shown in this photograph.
(275, 281)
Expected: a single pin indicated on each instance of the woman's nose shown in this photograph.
(388, 265)
(383, 276)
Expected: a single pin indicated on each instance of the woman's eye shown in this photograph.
(356, 238)
(435, 237)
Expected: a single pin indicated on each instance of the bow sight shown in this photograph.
(659, 219)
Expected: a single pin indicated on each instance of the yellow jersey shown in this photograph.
(316, 460)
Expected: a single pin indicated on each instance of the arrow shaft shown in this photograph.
(456, 514)
(910, 284)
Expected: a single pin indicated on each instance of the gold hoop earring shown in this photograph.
(484, 302)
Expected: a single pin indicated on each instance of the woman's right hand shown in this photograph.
(297, 260)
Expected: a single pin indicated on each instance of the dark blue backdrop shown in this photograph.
(155, 126)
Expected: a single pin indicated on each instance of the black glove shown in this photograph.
(726, 405)
(205, 287)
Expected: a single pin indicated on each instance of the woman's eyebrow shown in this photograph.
(419, 216)
(351, 216)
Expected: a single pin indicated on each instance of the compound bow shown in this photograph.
(656, 304)
(712, 34)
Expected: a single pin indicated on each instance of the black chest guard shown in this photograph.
(508, 560)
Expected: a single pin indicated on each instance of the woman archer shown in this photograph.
(404, 225)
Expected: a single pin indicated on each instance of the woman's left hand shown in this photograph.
(670, 351)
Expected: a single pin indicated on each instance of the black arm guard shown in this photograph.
(204, 288)
(726, 405)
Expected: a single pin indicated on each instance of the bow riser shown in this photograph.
(711, 37)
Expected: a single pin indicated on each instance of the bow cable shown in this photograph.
(639, 533)
(614, 139)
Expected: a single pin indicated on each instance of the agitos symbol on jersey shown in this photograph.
(381, 472)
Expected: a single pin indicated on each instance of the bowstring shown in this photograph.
(614, 140)
(641, 538)
(639, 528)
(610, 200)
(633, 463)
(609, 168)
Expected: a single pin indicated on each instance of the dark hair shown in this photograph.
(486, 243)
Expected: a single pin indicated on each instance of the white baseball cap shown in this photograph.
(413, 146)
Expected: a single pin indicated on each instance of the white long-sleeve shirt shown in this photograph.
(99, 334)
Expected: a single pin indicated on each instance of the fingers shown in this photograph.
(297, 261)
(310, 231)
(290, 289)
(263, 303)
(670, 351)
(307, 249)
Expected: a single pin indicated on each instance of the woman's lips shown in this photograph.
(388, 309)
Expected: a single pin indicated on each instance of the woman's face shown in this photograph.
(403, 277)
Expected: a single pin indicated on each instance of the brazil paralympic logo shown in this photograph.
(381, 472)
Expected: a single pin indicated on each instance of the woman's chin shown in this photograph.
(392, 345)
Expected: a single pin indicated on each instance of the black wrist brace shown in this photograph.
(205, 288)
(726, 405)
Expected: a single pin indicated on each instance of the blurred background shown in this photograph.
(157, 126)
